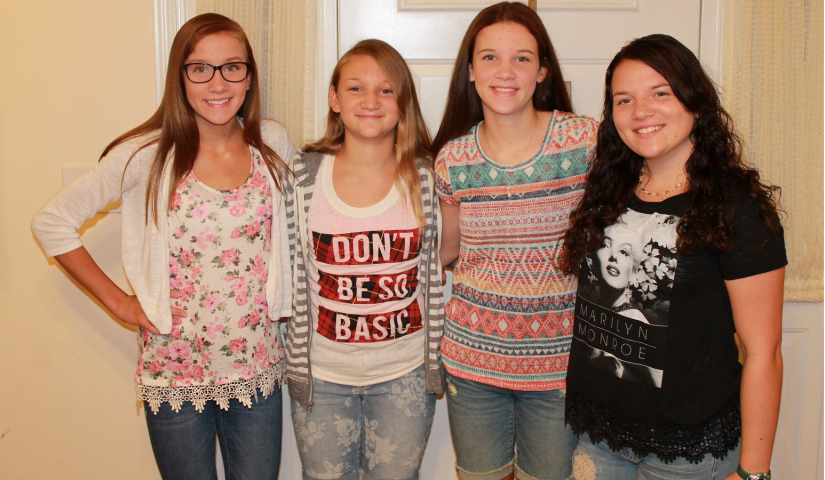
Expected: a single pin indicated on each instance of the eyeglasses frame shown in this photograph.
(215, 68)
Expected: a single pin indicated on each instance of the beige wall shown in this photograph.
(73, 75)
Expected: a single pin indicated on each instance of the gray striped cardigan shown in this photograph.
(299, 329)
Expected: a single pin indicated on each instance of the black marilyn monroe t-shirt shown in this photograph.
(653, 363)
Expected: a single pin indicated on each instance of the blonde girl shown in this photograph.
(362, 346)
(204, 247)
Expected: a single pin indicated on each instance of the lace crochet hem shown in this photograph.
(242, 390)
(717, 436)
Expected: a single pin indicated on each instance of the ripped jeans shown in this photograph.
(597, 462)
(496, 431)
(373, 432)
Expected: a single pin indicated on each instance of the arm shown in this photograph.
(56, 224)
(82, 267)
(450, 234)
(56, 228)
(757, 313)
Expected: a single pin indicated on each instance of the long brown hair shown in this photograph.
(463, 103)
(714, 169)
(412, 139)
(173, 127)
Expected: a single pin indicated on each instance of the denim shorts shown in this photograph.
(373, 432)
(490, 424)
(598, 462)
(250, 439)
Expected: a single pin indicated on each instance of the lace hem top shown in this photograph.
(717, 436)
(659, 373)
(242, 390)
(228, 344)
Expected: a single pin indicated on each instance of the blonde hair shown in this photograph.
(412, 139)
(175, 119)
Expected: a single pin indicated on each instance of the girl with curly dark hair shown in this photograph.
(669, 184)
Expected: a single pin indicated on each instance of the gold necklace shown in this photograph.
(493, 154)
(657, 194)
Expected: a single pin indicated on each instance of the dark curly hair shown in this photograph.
(714, 169)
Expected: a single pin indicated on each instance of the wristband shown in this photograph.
(752, 476)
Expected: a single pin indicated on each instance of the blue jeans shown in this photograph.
(373, 432)
(250, 439)
(597, 461)
(488, 424)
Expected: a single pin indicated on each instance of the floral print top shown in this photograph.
(227, 347)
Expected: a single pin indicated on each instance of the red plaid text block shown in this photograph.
(342, 327)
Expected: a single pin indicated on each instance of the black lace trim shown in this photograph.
(717, 436)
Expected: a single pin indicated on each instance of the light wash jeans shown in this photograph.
(250, 439)
(489, 424)
(598, 462)
(373, 432)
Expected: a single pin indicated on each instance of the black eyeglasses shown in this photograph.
(203, 72)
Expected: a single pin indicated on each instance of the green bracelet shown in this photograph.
(752, 476)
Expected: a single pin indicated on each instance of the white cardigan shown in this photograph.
(145, 248)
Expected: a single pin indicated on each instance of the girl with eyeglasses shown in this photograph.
(204, 248)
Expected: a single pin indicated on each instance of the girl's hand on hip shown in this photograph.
(130, 311)
(178, 314)
(82, 267)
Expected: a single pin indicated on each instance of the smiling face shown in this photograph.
(615, 263)
(216, 102)
(648, 117)
(365, 100)
(506, 68)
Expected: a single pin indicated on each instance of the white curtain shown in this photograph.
(773, 87)
(283, 37)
